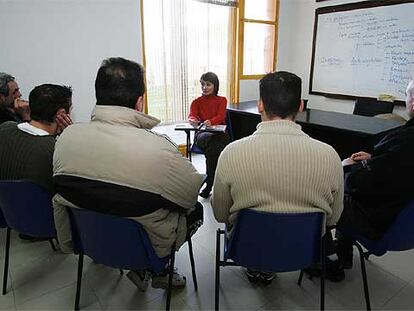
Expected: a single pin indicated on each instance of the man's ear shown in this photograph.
(302, 105)
(260, 106)
(139, 105)
(60, 111)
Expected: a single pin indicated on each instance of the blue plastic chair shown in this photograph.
(273, 242)
(399, 237)
(117, 242)
(27, 208)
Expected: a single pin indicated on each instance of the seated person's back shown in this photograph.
(278, 168)
(116, 165)
(27, 148)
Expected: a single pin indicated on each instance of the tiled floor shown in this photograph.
(41, 279)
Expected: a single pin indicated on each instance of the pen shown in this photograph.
(200, 126)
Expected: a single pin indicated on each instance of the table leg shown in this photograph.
(188, 151)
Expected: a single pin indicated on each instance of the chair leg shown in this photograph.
(79, 281)
(364, 275)
(217, 285)
(300, 277)
(193, 271)
(170, 277)
(323, 274)
(6, 261)
(52, 245)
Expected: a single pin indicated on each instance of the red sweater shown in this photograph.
(210, 107)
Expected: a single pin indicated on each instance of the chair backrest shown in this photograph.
(276, 242)
(196, 149)
(400, 236)
(371, 107)
(113, 241)
(27, 208)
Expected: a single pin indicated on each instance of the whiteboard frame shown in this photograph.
(342, 8)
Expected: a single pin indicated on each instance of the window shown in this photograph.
(258, 26)
(182, 40)
(257, 40)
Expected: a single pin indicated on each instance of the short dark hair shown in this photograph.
(211, 77)
(280, 93)
(5, 78)
(45, 100)
(119, 82)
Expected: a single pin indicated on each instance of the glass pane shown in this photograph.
(260, 9)
(259, 43)
(183, 40)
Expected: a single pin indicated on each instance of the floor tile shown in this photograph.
(397, 263)
(43, 276)
(62, 299)
(116, 291)
(403, 300)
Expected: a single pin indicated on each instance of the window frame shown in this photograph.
(239, 50)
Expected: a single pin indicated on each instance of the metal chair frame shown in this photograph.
(171, 260)
(19, 223)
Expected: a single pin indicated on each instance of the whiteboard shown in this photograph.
(363, 51)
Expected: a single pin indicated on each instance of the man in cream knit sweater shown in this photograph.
(278, 168)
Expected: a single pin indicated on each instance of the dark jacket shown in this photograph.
(380, 187)
(7, 115)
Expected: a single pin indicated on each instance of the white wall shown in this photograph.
(64, 42)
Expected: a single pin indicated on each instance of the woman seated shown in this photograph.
(209, 109)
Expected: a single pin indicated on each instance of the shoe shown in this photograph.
(345, 253)
(161, 280)
(205, 193)
(31, 238)
(313, 271)
(333, 271)
(253, 276)
(267, 277)
(139, 278)
(346, 262)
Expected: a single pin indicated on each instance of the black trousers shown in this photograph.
(212, 145)
(194, 220)
(353, 221)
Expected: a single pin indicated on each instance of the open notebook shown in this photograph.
(202, 127)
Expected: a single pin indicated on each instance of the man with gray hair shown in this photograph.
(12, 108)
(378, 185)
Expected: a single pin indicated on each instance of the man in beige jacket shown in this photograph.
(278, 169)
(116, 165)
